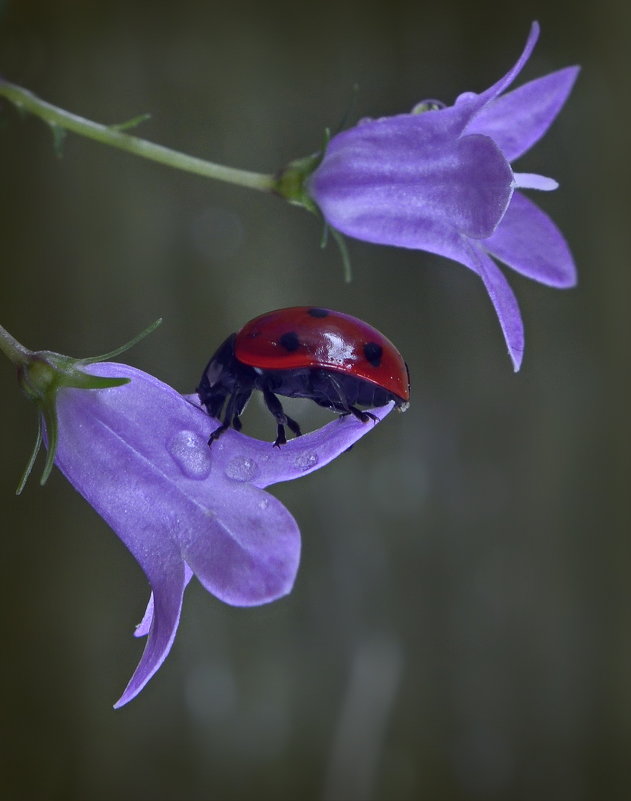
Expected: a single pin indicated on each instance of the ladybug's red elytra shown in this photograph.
(333, 359)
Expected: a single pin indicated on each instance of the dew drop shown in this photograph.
(466, 97)
(191, 454)
(305, 461)
(264, 503)
(428, 105)
(242, 468)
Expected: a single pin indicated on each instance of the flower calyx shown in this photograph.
(41, 374)
(291, 180)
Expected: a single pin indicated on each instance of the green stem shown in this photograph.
(12, 349)
(111, 135)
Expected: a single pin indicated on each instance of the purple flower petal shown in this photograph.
(473, 103)
(250, 552)
(139, 455)
(528, 241)
(261, 465)
(167, 597)
(503, 299)
(517, 120)
(388, 181)
(143, 628)
(170, 500)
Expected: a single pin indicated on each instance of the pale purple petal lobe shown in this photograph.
(142, 629)
(472, 255)
(250, 553)
(503, 299)
(530, 243)
(474, 102)
(518, 119)
(264, 465)
(167, 605)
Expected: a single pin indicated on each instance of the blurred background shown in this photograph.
(460, 624)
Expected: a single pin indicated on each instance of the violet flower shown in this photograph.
(441, 181)
(138, 454)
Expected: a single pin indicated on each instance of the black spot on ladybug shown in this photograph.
(373, 353)
(290, 341)
(318, 312)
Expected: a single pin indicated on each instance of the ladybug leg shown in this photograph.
(216, 410)
(236, 404)
(276, 409)
(217, 433)
(343, 406)
(363, 416)
(241, 399)
(293, 425)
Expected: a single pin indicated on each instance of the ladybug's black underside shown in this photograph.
(228, 383)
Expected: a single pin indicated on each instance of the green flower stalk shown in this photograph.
(62, 121)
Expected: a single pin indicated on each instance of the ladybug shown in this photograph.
(329, 357)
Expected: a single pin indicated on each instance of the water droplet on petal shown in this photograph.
(428, 105)
(191, 454)
(264, 503)
(242, 468)
(465, 97)
(307, 460)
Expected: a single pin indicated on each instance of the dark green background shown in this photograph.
(460, 624)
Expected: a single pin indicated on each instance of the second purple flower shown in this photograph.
(442, 181)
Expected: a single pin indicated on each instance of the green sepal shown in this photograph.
(117, 351)
(83, 380)
(33, 457)
(346, 259)
(341, 245)
(49, 413)
(41, 374)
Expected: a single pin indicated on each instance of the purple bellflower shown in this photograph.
(442, 181)
(138, 454)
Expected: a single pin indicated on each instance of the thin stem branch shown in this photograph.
(113, 136)
(11, 348)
